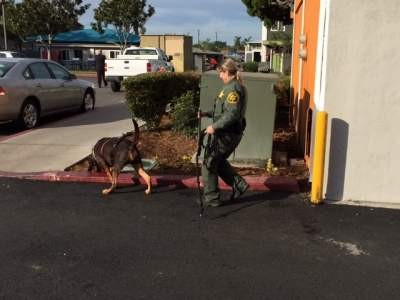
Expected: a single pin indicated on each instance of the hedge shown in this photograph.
(250, 66)
(184, 113)
(148, 94)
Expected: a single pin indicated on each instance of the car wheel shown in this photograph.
(29, 116)
(88, 102)
(115, 86)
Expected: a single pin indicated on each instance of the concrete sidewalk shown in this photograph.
(58, 145)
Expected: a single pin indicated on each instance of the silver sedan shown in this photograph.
(32, 88)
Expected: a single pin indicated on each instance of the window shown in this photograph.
(16, 54)
(114, 54)
(141, 52)
(278, 26)
(78, 54)
(163, 55)
(27, 74)
(2, 55)
(5, 67)
(40, 71)
(58, 72)
(148, 52)
(65, 54)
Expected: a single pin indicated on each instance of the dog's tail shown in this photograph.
(135, 133)
(136, 127)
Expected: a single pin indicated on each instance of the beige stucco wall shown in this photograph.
(362, 99)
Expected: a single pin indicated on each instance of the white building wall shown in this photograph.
(362, 99)
(264, 37)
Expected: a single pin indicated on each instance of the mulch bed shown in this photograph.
(174, 151)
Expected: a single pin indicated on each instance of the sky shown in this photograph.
(214, 19)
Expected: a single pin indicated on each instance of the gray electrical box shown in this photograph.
(256, 145)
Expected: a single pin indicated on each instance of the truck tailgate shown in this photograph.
(125, 67)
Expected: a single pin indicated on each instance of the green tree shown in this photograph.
(270, 11)
(126, 16)
(44, 18)
(15, 30)
(239, 43)
(208, 45)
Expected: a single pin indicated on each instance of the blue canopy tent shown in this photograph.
(88, 36)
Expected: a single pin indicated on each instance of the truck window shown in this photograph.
(132, 52)
(140, 52)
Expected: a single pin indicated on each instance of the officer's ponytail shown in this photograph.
(239, 77)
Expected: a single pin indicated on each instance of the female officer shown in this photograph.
(224, 135)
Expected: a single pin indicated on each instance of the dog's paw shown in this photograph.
(106, 191)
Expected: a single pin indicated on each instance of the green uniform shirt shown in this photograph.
(230, 108)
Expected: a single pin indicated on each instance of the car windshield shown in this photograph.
(5, 66)
(17, 54)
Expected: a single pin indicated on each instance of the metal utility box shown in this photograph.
(256, 145)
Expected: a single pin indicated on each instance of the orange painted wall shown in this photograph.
(303, 70)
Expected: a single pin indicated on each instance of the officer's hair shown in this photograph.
(232, 68)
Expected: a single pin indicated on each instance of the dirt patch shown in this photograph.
(172, 151)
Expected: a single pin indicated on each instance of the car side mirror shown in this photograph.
(170, 57)
(72, 76)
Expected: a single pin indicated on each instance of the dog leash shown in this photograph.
(200, 137)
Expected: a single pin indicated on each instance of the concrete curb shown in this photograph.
(86, 75)
(257, 183)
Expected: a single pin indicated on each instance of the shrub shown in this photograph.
(282, 90)
(250, 66)
(184, 113)
(148, 94)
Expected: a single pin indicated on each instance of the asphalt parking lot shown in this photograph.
(67, 241)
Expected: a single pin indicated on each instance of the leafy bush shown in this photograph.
(184, 113)
(250, 66)
(148, 94)
(282, 90)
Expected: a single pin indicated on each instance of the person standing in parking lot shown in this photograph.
(100, 61)
(224, 135)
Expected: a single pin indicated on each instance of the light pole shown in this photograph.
(4, 23)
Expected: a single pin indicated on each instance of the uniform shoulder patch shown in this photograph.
(232, 97)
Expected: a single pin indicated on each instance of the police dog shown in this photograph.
(112, 154)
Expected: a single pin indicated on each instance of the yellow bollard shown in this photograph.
(319, 158)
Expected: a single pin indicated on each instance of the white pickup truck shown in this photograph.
(134, 61)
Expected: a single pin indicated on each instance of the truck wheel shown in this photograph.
(115, 86)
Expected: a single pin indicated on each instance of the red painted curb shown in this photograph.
(257, 183)
(7, 137)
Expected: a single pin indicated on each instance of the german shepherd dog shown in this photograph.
(112, 154)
